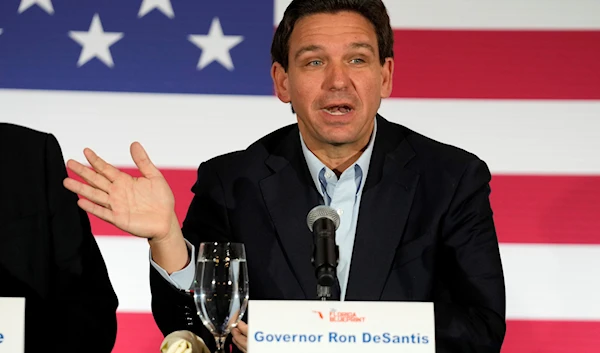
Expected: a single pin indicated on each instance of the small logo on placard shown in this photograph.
(1, 338)
(341, 316)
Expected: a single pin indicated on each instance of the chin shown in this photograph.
(339, 139)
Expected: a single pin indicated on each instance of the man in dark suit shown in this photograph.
(416, 219)
(48, 254)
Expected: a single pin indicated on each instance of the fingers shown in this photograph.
(240, 339)
(243, 327)
(97, 210)
(143, 162)
(89, 175)
(111, 173)
(94, 195)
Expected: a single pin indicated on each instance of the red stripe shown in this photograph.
(138, 334)
(551, 337)
(527, 209)
(547, 209)
(498, 64)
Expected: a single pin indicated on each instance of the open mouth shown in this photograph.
(338, 109)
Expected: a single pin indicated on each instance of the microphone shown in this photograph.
(323, 221)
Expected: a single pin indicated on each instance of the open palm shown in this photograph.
(142, 206)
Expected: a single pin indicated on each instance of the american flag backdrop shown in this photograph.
(516, 82)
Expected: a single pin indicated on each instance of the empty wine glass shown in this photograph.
(220, 288)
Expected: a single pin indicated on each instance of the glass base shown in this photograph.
(220, 344)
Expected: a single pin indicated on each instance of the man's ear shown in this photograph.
(280, 81)
(387, 74)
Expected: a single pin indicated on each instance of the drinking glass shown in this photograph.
(220, 288)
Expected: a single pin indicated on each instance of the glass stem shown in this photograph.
(220, 340)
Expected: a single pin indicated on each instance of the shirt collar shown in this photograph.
(315, 165)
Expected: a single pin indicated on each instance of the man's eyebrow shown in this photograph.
(368, 46)
(313, 47)
(307, 49)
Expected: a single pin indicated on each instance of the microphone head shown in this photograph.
(322, 212)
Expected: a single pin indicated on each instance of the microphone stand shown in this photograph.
(326, 271)
(324, 292)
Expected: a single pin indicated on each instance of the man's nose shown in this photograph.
(337, 77)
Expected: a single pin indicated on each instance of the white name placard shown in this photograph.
(12, 325)
(333, 326)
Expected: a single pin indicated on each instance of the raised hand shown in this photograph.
(144, 206)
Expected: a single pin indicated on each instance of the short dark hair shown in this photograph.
(372, 10)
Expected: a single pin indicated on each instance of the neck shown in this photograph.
(337, 160)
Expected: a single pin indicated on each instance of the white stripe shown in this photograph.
(553, 282)
(486, 14)
(127, 262)
(176, 130)
(513, 137)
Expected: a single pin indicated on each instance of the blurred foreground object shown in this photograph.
(183, 342)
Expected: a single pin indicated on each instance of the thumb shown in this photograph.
(143, 162)
(243, 327)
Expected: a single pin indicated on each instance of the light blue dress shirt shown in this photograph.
(343, 194)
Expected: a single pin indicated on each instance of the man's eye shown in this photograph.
(315, 62)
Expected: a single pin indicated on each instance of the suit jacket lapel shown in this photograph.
(289, 195)
(385, 205)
